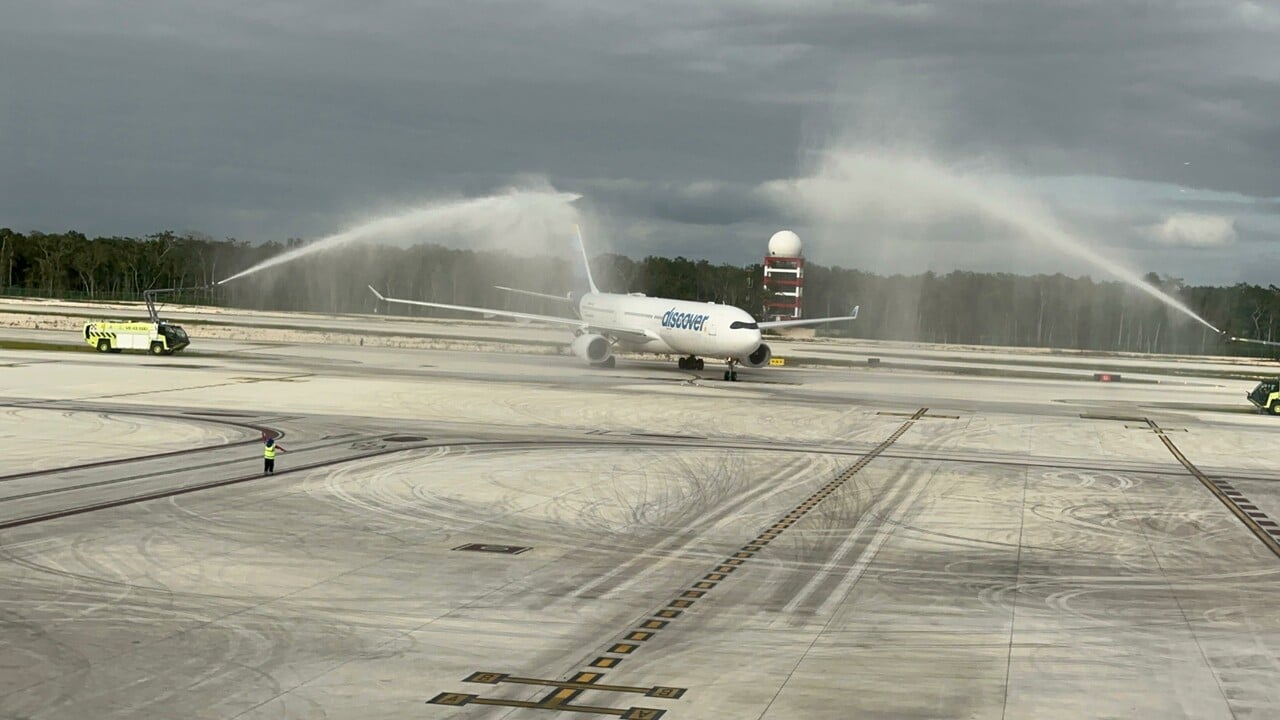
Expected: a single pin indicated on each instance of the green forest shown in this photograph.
(1052, 311)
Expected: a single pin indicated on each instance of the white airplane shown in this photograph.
(637, 323)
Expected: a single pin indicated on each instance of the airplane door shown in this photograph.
(710, 327)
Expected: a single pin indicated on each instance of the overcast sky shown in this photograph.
(891, 136)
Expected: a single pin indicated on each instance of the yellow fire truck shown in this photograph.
(116, 335)
(154, 335)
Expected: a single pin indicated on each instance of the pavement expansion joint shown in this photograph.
(921, 414)
(1117, 418)
(1156, 430)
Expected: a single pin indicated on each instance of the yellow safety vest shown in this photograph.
(269, 452)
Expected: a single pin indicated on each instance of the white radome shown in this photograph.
(784, 243)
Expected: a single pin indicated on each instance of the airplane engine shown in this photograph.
(594, 349)
(759, 358)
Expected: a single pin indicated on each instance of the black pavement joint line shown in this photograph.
(126, 460)
(52, 405)
(157, 473)
(490, 445)
(172, 492)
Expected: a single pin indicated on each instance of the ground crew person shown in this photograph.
(269, 448)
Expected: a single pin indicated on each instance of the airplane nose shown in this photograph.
(751, 341)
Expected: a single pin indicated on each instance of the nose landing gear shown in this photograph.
(731, 373)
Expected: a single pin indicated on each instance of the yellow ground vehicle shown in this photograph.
(1266, 396)
(153, 335)
(159, 338)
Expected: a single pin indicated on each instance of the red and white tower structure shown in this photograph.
(784, 277)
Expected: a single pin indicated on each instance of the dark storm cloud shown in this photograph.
(275, 119)
(699, 203)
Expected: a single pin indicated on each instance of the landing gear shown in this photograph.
(609, 362)
(731, 374)
(690, 363)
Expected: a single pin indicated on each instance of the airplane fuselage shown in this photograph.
(637, 323)
(671, 326)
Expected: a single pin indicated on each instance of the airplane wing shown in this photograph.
(530, 293)
(808, 321)
(1255, 342)
(617, 333)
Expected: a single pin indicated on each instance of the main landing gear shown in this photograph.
(690, 363)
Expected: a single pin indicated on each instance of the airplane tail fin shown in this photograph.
(586, 261)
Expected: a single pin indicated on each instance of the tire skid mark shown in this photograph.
(1263, 527)
(652, 624)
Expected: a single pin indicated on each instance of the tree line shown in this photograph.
(1052, 311)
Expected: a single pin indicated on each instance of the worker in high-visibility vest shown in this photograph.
(269, 448)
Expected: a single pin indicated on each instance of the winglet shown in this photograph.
(854, 315)
(586, 262)
(375, 292)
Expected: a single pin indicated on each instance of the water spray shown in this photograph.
(520, 213)
(1065, 242)
(855, 182)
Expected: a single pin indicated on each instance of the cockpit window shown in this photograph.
(740, 325)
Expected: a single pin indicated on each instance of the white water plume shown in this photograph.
(523, 218)
(853, 185)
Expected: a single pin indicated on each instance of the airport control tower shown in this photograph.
(784, 278)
